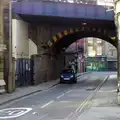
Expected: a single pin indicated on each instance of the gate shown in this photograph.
(23, 72)
(112, 65)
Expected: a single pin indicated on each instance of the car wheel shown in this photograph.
(75, 81)
(118, 90)
(61, 81)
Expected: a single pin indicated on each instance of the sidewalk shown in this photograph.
(104, 104)
(25, 91)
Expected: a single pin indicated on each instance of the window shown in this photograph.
(99, 50)
(99, 41)
(90, 49)
(67, 71)
(90, 41)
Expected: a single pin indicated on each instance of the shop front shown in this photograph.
(96, 63)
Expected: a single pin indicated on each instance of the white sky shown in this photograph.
(100, 2)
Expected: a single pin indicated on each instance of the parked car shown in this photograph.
(68, 75)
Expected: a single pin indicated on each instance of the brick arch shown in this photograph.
(68, 36)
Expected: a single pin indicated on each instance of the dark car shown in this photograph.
(68, 75)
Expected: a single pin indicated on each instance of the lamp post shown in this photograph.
(10, 48)
(76, 57)
(11, 80)
(117, 23)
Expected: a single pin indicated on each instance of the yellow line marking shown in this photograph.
(59, 35)
(65, 32)
(71, 30)
(76, 29)
(54, 38)
(50, 43)
(113, 38)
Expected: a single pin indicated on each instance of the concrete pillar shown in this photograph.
(118, 51)
(1, 42)
(40, 35)
(50, 63)
(20, 39)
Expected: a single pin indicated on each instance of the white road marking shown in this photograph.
(64, 101)
(13, 112)
(60, 96)
(19, 99)
(69, 91)
(34, 113)
(108, 91)
(45, 105)
(43, 116)
(69, 116)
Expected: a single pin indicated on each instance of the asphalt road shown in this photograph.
(57, 103)
(104, 104)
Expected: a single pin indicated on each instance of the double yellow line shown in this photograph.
(80, 108)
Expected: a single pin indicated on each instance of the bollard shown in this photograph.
(118, 98)
(13, 74)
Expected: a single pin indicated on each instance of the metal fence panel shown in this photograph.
(23, 73)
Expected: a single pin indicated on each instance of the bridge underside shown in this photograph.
(68, 39)
(52, 20)
(52, 34)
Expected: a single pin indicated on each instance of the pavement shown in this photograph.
(104, 104)
(26, 91)
(61, 102)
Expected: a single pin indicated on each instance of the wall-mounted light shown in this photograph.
(84, 23)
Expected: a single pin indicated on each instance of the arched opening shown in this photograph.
(92, 54)
(62, 40)
(67, 37)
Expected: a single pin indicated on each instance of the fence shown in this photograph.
(23, 72)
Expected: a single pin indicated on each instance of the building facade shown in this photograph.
(100, 49)
(95, 51)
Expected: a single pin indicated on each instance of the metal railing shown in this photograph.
(95, 2)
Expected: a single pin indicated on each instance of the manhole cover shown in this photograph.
(90, 89)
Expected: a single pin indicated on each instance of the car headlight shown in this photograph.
(71, 76)
(61, 76)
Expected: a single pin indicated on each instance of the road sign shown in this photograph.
(13, 112)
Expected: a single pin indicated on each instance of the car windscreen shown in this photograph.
(67, 71)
